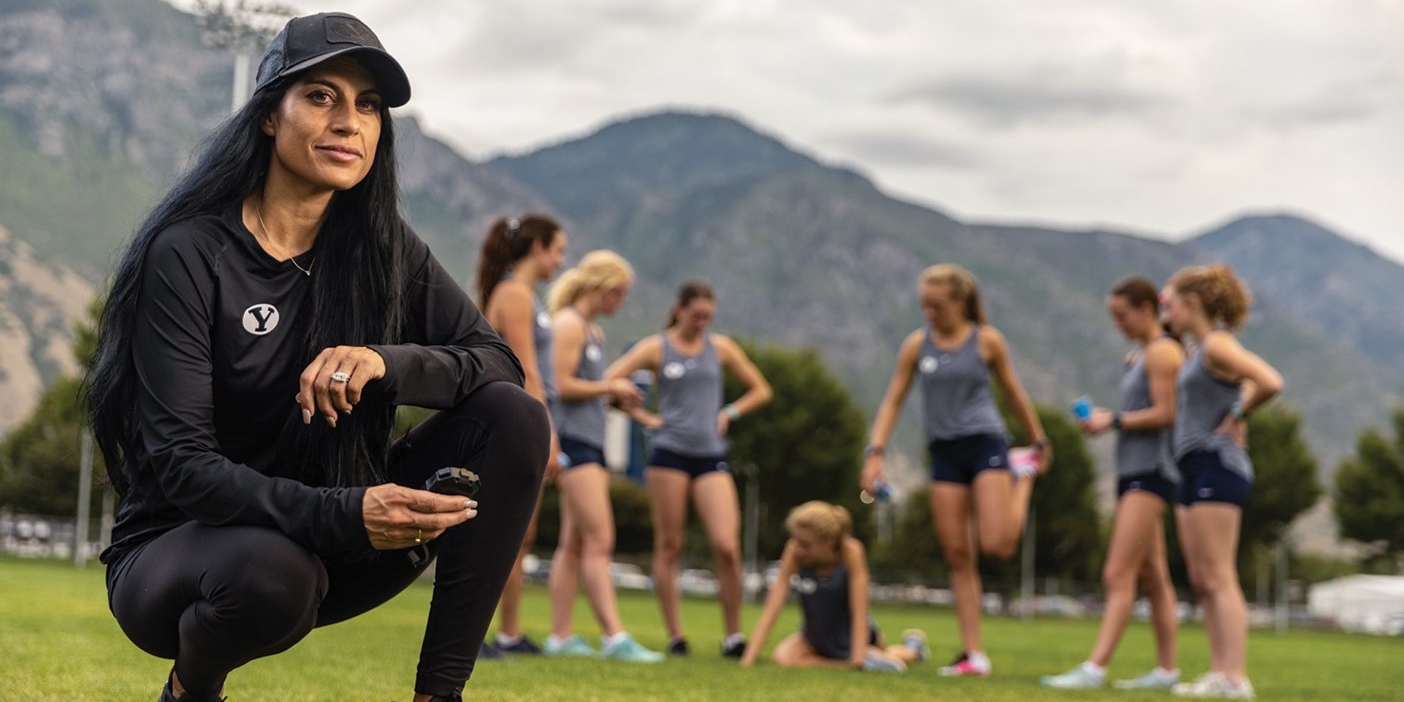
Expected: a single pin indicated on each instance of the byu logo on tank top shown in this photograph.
(593, 353)
(803, 585)
(543, 319)
(260, 319)
(674, 370)
(928, 364)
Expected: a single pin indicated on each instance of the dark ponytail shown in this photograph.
(508, 241)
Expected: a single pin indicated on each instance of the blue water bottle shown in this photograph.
(882, 492)
(1082, 408)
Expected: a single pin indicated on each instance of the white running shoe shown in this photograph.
(1215, 685)
(1079, 678)
(883, 664)
(1157, 679)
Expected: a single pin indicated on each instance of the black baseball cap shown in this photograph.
(308, 41)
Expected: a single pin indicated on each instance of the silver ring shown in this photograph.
(340, 377)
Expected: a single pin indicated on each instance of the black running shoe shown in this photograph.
(735, 650)
(523, 645)
(677, 647)
(169, 696)
(489, 652)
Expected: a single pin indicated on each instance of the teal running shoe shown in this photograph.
(573, 646)
(627, 649)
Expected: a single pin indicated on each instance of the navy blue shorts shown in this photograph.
(1154, 483)
(581, 453)
(1203, 478)
(960, 460)
(694, 466)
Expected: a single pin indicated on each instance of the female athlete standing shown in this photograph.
(954, 357)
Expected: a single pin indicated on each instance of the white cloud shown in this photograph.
(1161, 116)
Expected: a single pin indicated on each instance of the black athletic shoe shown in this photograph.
(677, 647)
(168, 696)
(735, 650)
(489, 652)
(523, 645)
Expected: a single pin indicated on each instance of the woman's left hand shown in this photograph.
(1100, 421)
(1235, 428)
(333, 381)
(723, 423)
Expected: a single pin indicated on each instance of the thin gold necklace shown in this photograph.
(258, 212)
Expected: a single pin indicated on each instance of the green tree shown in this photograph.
(40, 458)
(807, 443)
(1284, 481)
(1369, 494)
(1284, 486)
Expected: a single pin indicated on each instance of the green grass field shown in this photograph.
(58, 642)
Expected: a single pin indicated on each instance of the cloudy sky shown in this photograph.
(1162, 118)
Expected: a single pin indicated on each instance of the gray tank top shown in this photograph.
(584, 420)
(1142, 452)
(541, 337)
(690, 395)
(827, 616)
(1201, 404)
(955, 387)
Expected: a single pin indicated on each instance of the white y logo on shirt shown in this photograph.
(260, 319)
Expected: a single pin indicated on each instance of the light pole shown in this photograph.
(85, 498)
(243, 28)
(751, 528)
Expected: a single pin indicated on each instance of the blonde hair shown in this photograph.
(1224, 298)
(826, 521)
(961, 285)
(601, 269)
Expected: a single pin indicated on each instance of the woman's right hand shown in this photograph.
(625, 393)
(399, 517)
(872, 470)
(748, 658)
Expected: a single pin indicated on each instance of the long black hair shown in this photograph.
(358, 301)
(508, 241)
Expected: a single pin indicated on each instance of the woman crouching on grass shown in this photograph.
(829, 569)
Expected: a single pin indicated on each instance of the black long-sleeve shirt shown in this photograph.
(219, 345)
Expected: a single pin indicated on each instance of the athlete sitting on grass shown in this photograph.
(829, 569)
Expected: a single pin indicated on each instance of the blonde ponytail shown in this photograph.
(601, 269)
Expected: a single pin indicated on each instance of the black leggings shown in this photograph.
(216, 597)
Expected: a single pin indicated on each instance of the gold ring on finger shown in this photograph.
(419, 536)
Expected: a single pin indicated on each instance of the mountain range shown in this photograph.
(802, 252)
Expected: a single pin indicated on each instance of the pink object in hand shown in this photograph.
(1023, 461)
